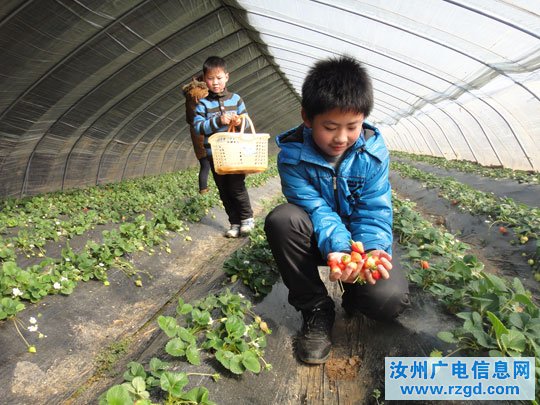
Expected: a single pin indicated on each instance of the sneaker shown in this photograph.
(314, 342)
(247, 226)
(233, 232)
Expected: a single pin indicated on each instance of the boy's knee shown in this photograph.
(390, 306)
(384, 305)
(283, 217)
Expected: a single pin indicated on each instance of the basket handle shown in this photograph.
(247, 136)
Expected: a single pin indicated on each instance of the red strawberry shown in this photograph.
(503, 230)
(346, 259)
(357, 247)
(356, 257)
(332, 263)
(376, 274)
(370, 263)
(353, 266)
(424, 264)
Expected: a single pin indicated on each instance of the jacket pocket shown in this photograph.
(355, 185)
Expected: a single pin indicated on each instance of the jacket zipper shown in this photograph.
(334, 179)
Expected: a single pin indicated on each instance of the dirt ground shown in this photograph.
(97, 321)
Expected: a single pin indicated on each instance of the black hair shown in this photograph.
(214, 62)
(340, 82)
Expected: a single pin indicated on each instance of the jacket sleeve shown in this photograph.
(330, 231)
(371, 221)
(204, 126)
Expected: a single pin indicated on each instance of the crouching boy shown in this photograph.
(334, 174)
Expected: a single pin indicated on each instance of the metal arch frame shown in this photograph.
(420, 36)
(426, 38)
(48, 73)
(134, 114)
(165, 131)
(59, 64)
(271, 67)
(410, 117)
(396, 86)
(165, 94)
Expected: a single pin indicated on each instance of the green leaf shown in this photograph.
(139, 385)
(235, 326)
(192, 354)
(168, 324)
(514, 340)
(176, 347)
(498, 326)
(496, 282)
(447, 337)
(197, 395)
(236, 364)
(224, 357)
(118, 395)
(516, 320)
(134, 370)
(157, 366)
(251, 361)
(186, 335)
(173, 383)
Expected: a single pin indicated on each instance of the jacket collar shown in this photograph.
(300, 139)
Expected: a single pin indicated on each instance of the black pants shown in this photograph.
(292, 240)
(204, 171)
(234, 195)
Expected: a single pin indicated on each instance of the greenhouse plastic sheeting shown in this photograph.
(91, 89)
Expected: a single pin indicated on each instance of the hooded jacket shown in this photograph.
(349, 202)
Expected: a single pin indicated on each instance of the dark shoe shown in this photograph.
(314, 342)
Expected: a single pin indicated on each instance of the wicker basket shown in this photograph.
(240, 152)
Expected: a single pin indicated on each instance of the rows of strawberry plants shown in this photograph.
(499, 316)
(522, 219)
(466, 166)
(221, 326)
(142, 213)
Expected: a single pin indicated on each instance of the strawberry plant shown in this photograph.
(139, 381)
(217, 325)
(500, 317)
(523, 220)
(254, 264)
(521, 176)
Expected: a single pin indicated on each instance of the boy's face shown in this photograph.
(335, 131)
(216, 79)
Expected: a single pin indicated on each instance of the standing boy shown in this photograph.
(214, 114)
(334, 174)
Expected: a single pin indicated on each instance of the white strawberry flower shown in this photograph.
(33, 328)
(57, 286)
(16, 292)
(32, 320)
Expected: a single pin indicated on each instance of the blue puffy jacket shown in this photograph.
(352, 201)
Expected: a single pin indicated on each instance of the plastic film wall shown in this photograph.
(91, 89)
(456, 79)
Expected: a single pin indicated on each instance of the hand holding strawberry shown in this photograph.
(359, 266)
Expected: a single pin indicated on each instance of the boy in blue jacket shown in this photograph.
(214, 114)
(334, 174)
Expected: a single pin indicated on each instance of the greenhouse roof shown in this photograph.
(91, 90)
